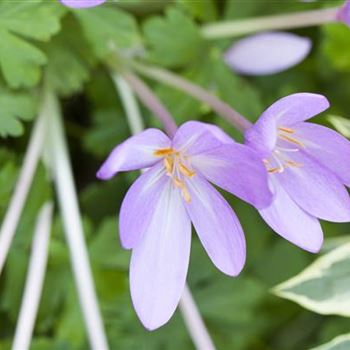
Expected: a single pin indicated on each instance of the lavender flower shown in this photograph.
(308, 166)
(267, 53)
(343, 14)
(156, 214)
(82, 3)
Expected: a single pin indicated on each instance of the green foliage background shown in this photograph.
(41, 41)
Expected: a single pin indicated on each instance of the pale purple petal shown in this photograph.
(291, 222)
(327, 147)
(343, 14)
(139, 205)
(296, 108)
(237, 169)
(262, 136)
(284, 112)
(159, 262)
(267, 53)
(196, 137)
(136, 152)
(316, 190)
(217, 226)
(82, 3)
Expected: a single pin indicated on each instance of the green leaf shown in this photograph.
(182, 106)
(341, 124)
(322, 287)
(105, 248)
(8, 174)
(15, 106)
(173, 40)
(108, 28)
(342, 342)
(336, 46)
(203, 10)
(69, 59)
(109, 128)
(17, 261)
(20, 60)
(236, 91)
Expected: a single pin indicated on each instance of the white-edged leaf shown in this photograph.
(342, 342)
(341, 124)
(322, 287)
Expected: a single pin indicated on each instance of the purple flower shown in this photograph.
(308, 166)
(157, 211)
(267, 53)
(82, 3)
(343, 14)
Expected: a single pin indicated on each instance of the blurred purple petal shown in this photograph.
(217, 226)
(315, 189)
(82, 3)
(344, 13)
(196, 137)
(237, 169)
(292, 223)
(328, 147)
(159, 262)
(267, 53)
(139, 205)
(136, 152)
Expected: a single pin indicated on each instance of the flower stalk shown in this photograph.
(30, 163)
(151, 101)
(68, 201)
(192, 317)
(277, 22)
(130, 104)
(35, 279)
(194, 322)
(220, 107)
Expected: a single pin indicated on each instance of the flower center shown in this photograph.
(286, 144)
(177, 168)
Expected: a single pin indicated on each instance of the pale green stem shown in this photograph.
(68, 201)
(176, 81)
(35, 279)
(277, 22)
(129, 103)
(25, 179)
(192, 317)
(194, 322)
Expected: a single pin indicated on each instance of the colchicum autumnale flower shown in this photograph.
(156, 213)
(82, 3)
(308, 166)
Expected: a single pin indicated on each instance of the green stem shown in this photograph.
(277, 22)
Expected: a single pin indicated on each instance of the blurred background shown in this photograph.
(241, 313)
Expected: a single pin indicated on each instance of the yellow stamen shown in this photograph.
(292, 163)
(163, 152)
(291, 139)
(168, 163)
(178, 183)
(273, 170)
(288, 130)
(185, 171)
(186, 195)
